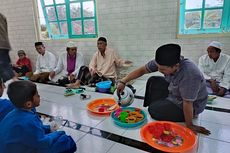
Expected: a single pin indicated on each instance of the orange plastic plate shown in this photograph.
(93, 105)
(189, 138)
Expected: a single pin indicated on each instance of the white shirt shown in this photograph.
(219, 70)
(62, 64)
(45, 63)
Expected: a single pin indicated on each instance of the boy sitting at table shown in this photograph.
(22, 130)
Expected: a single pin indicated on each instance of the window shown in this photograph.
(204, 16)
(63, 19)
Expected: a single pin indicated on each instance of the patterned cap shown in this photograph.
(71, 44)
(216, 44)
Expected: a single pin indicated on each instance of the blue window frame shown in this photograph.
(69, 18)
(204, 16)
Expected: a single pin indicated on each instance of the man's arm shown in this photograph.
(93, 64)
(79, 64)
(59, 65)
(135, 74)
(132, 75)
(225, 83)
(202, 68)
(38, 70)
(188, 115)
(52, 61)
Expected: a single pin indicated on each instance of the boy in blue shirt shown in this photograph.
(5, 105)
(22, 131)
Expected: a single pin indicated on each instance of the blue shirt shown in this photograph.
(5, 107)
(187, 83)
(22, 131)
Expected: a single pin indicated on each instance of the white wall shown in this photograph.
(135, 28)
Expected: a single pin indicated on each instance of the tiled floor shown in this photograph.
(98, 134)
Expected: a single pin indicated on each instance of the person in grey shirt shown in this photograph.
(6, 70)
(178, 96)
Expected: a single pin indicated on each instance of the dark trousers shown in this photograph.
(159, 107)
(87, 79)
(6, 71)
(21, 70)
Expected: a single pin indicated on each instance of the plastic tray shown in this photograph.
(94, 104)
(128, 125)
(189, 138)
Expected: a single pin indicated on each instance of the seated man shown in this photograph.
(102, 66)
(46, 62)
(216, 69)
(25, 131)
(5, 105)
(178, 96)
(69, 64)
(23, 65)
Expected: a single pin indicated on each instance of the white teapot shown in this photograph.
(126, 99)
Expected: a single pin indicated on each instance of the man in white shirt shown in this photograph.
(69, 64)
(216, 69)
(46, 62)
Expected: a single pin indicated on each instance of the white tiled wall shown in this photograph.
(135, 28)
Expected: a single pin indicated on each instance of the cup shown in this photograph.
(56, 123)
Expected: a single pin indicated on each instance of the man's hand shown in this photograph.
(199, 129)
(221, 92)
(92, 71)
(52, 74)
(120, 88)
(214, 86)
(188, 115)
(71, 77)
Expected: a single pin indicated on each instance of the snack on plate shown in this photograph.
(118, 112)
(134, 113)
(139, 117)
(128, 111)
(130, 119)
(138, 110)
(105, 104)
(103, 107)
(123, 116)
(164, 135)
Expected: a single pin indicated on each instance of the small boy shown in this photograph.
(5, 105)
(22, 131)
(23, 65)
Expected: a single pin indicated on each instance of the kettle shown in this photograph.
(127, 97)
